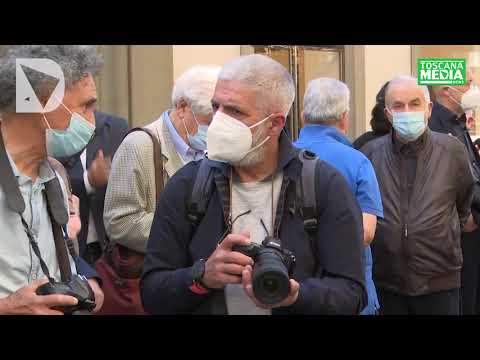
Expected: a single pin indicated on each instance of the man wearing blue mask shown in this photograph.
(32, 246)
(452, 109)
(426, 188)
(130, 199)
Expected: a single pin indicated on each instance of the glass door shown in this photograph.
(305, 63)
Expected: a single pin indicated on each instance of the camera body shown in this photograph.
(272, 269)
(78, 287)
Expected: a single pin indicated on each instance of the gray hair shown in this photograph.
(76, 61)
(325, 101)
(274, 84)
(407, 78)
(196, 87)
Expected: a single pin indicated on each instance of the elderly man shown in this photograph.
(31, 240)
(325, 116)
(254, 171)
(416, 250)
(452, 108)
(89, 172)
(131, 195)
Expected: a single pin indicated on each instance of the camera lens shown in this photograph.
(271, 283)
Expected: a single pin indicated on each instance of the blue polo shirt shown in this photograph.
(331, 146)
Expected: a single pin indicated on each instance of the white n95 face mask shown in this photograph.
(229, 140)
(471, 99)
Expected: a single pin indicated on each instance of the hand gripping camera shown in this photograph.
(78, 287)
(272, 269)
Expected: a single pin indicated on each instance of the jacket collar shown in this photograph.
(449, 118)
(416, 146)
(324, 132)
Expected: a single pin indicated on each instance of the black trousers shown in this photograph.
(470, 283)
(440, 303)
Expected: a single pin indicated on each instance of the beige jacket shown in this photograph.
(130, 198)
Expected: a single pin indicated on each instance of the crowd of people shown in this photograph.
(212, 209)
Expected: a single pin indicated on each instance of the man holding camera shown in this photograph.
(249, 251)
(33, 192)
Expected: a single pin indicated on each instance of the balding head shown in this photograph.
(404, 82)
(403, 95)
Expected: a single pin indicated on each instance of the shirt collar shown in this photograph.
(45, 172)
(181, 146)
(324, 132)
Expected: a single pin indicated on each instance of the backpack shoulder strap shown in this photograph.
(157, 159)
(307, 192)
(201, 193)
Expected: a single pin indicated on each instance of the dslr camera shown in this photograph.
(78, 287)
(272, 269)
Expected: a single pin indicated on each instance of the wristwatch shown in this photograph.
(198, 269)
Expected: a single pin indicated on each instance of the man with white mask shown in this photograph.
(193, 263)
(452, 112)
(426, 188)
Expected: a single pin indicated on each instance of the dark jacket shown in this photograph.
(331, 277)
(446, 121)
(416, 249)
(365, 138)
(109, 133)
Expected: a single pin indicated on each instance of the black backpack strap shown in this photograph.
(201, 193)
(306, 191)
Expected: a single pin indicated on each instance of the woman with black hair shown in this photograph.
(379, 122)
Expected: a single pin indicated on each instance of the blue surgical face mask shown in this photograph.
(409, 125)
(71, 141)
(197, 141)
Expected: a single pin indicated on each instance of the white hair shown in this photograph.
(272, 81)
(407, 78)
(325, 101)
(196, 87)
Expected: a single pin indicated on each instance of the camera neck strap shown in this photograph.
(56, 210)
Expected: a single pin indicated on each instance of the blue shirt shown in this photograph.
(331, 146)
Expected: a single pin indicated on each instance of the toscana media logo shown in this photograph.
(433, 71)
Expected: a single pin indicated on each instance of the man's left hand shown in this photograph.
(99, 297)
(247, 285)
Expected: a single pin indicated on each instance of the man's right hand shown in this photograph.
(99, 170)
(225, 266)
(26, 302)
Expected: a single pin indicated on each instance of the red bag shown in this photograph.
(121, 268)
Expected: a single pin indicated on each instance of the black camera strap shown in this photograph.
(36, 250)
(56, 211)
